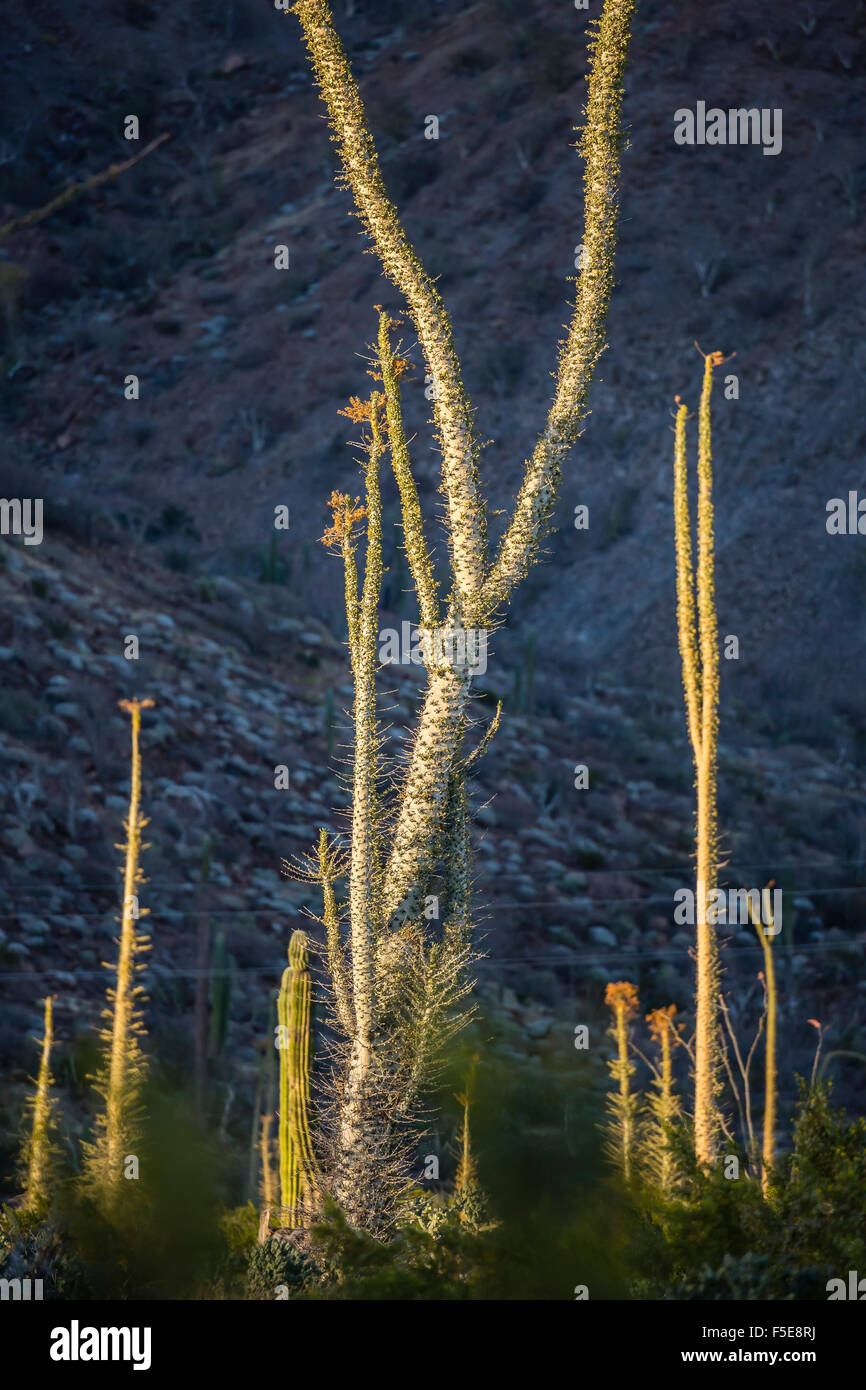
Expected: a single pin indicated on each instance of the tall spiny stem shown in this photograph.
(363, 904)
(331, 921)
(418, 555)
(353, 1150)
(765, 933)
(38, 1153)
(451, 408)
(121, 1077)
(600, 143)
(700, 662)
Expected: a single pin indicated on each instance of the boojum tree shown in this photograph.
(121, 1076)
(392, 976)
(699, 653)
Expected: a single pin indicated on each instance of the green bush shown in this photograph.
(32, 1249)
(278, 1263)
(723, 1240)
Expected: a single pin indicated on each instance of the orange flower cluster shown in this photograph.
(622, 995)
(359, 410)
(356, 410)
(345, 514)
(392, 323)
(401, 365)
(660, 1020)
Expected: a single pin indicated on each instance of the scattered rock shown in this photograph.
(537, 1027)
(600, 936)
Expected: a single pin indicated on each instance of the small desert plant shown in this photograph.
(468, 1198)
(622, 1104)
(272, 569)
(658, 1154)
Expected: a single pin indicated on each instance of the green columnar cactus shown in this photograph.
(272, 568)
(517, 690)
(298, 1180)
(202, 963)
(39, 1152)
(221, 995)
(121, 1077)
(261, 1172)
(399, 975)
(329, 722)
(529, 701)
(700, 663)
